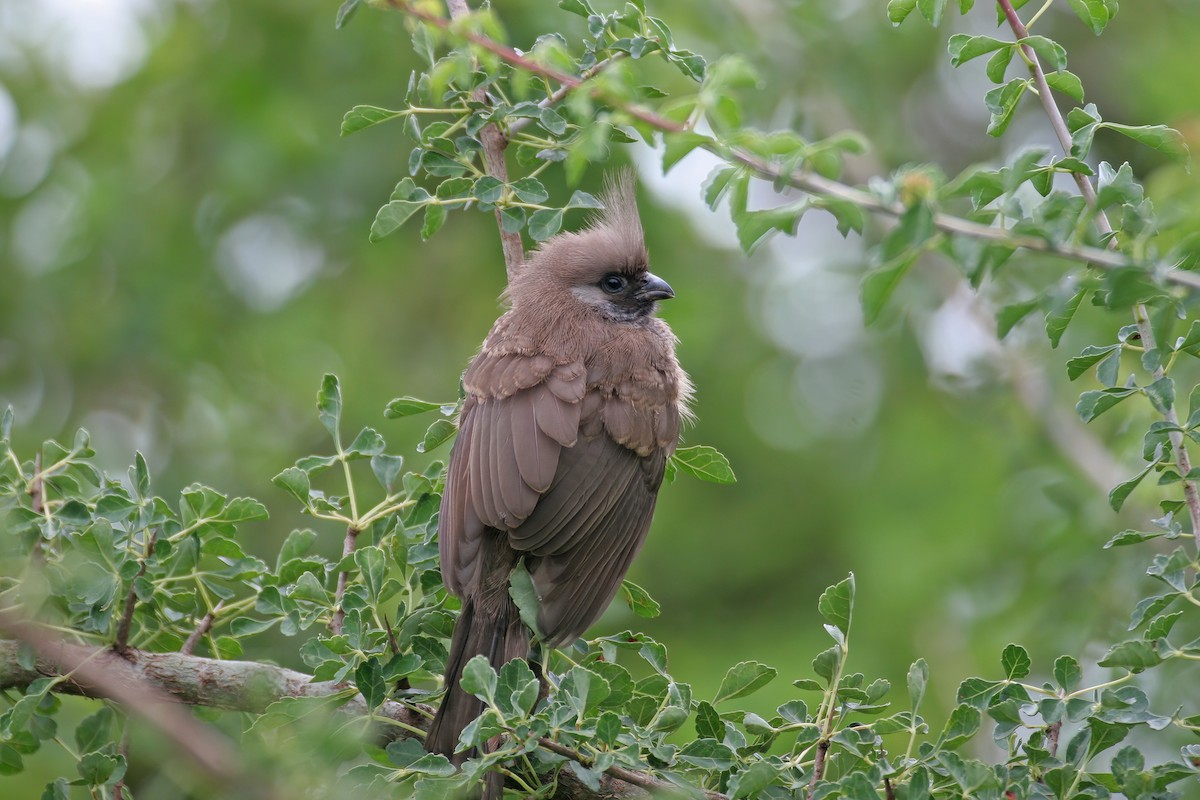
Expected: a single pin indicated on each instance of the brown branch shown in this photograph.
(339, 613)
(805, 181)
(202, 629)
(122, 641)
(243, 686)
(494, 144)
(98, 672)
(1141, 315)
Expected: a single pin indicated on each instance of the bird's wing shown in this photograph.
(571, 475)
(519, 415)
(586, 529)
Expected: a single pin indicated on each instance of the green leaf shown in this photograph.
(678, 145)
(1008, 317)
(836, 603)
(751, 782)
(440, 432)
(479, 679)
(744, 678)
(639, 600)
(386, 468)
(329, 404)
(963, 48)
(581, 199)
(1134, 655)
(530, 190)
(580, 7)
(95, 731)
(488, 190)
(391, 217)
(1016, 662)
(918, 680)
(997, 65)
(411, 758)
(372, 562)
(1082, 123)
(898, 10)
(345, 13)
(708, 722)
(754, 226)
(1167, 141)
(1002, 103)
(1061, 314)
(524, 594)
(879, 285)
(932, 10)
(1161, 394)
(1090, 356)
(435, 217)
(1093, 13)
(1066, 82)
(361, 117)
(1067, 673)
(408, 406)
(1094, 403)
(707, 754)
(1120, 492)
(1049, 50)
(703, 462)
(553, 122)
(962, 725)
(545, 223)
(368, 678)
(294, 481)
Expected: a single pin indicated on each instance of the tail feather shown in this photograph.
(500, 637)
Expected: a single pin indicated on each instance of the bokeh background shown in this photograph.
(183, 253)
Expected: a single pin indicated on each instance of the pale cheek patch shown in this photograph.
(591, 295)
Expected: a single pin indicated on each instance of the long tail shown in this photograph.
(497, 634)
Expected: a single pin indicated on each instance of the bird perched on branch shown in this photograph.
(573, 406)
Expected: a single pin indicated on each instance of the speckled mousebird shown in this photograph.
(573, 406)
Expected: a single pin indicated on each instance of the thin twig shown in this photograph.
(122, 640)
(37, 500)
(633, 777)
(810, 182)
(1141, 314)
(494, 144)
(202, 629)
(339, 613)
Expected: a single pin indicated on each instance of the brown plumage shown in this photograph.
(573, 405)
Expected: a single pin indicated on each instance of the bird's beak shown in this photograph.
(655, 288)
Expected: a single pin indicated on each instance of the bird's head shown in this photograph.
(603, 268)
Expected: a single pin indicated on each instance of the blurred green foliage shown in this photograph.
(184, 251)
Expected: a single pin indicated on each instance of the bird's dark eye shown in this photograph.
(613, 283)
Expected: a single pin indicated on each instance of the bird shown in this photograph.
(572, 407)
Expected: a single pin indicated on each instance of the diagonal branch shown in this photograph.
(146, 684)
(1141, 315)
(494, 143)
(798, 179)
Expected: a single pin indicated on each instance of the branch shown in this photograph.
(122, 640)
(140, 678)
(494, 143)
(1145, 328)
(99, 672)
(798, 179)
(339, 613)
(201, 630)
